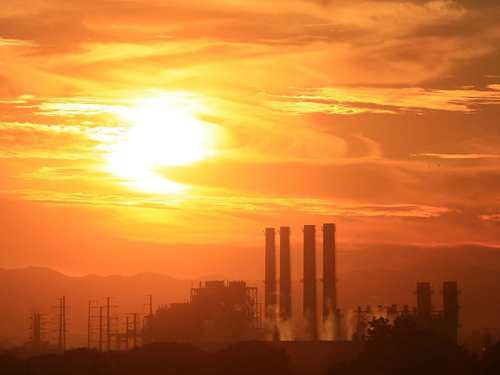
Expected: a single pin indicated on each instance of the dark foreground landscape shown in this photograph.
(387, 349)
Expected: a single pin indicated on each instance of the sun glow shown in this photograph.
(162, 134)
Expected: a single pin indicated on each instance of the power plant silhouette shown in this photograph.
(229, 311)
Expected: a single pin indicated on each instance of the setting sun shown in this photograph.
(161, 134)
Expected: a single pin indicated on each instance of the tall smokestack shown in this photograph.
(270, 277)
(331, 315)
(310, 314)
(285, 275)
(450, 304)
(424, 306)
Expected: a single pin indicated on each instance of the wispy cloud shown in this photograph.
(81, 140)
(263, 206)
(16, 42)
(401, 16)
(491, 217)
(459, 156)
(349, 101)
(305, 107)
(62, 173)
(73, 107)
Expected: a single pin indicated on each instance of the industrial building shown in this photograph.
(216, 311)
(444, 323)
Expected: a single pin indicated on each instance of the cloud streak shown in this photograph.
(263, 206)
(459, 156)
(351, 101)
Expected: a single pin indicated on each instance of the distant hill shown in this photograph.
(38, 287)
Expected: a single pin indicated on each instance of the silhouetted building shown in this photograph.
(215, 312)
(444, 323)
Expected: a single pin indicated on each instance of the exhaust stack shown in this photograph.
(285, 275)
(424, 306)
(451, 306)
(310, 313)
(330, 310)
(270, 277)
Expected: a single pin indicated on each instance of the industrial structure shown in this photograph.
(228, 311)
(270, 300)
(310, 314)
(285, 300)
(444, 323)
(331, 314)
(217, 311)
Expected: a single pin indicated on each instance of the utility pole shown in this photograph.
(38, 335)
(59, 317)
(60, 341)
(108, 321)
(100, 316)
(126, 333)
(64, 321)
(135, 330)
(150, 304)
(89, 341)
(100, 328)
(150, 317)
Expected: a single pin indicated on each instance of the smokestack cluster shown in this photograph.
(424, 312)
(331, 314)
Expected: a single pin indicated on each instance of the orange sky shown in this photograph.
(166, 135)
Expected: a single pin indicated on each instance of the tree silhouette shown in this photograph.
(491, 360)
(400, 348)
(249, 358)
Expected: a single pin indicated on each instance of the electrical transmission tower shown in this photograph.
(90, 329)
(36, 328)
(134, 330)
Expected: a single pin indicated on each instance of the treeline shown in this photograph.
(389, 349)
(400, 348)
(249, 358)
